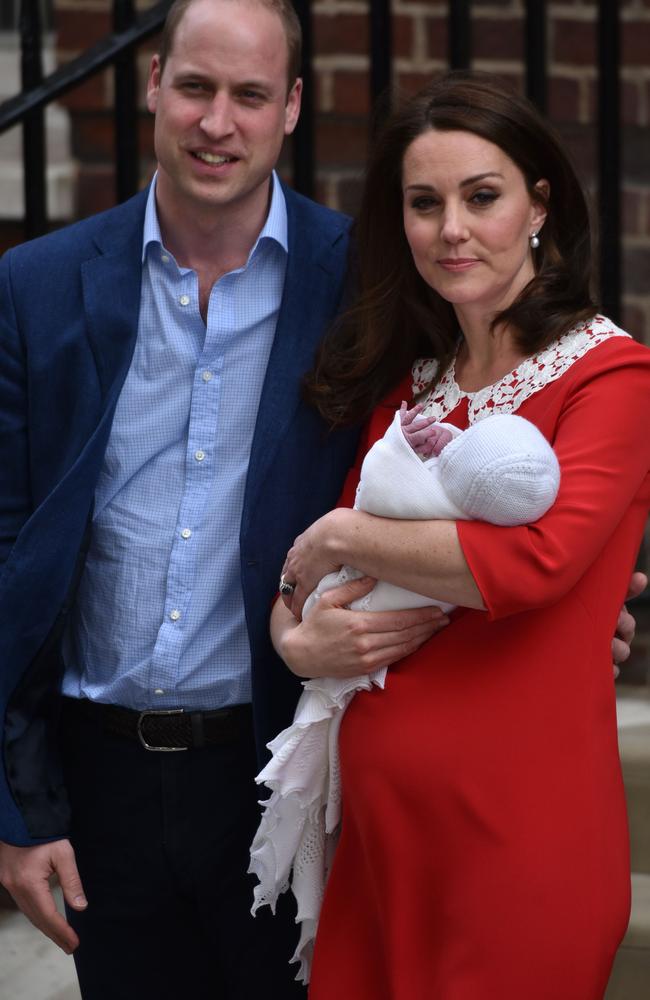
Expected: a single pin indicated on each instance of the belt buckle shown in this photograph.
(162, 711)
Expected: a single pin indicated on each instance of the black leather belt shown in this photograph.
(167, 729)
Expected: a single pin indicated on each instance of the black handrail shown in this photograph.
(609, 156)
(34, 153)
(126, 106)
(381, 61)
(78, 70)
(304, 139)
(536, 48)
(460, 35)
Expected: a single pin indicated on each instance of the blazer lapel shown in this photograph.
(111, 289)
(306, 307)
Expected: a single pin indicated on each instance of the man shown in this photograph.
(156, 462)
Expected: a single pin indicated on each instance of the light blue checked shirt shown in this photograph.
(159, 619)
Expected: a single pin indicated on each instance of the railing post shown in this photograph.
(381, 63)
(127, 174)
(536, 35)
(304, 135)
(460, 34)
(609, 157)
(34, 152)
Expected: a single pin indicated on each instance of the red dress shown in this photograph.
(484, 844)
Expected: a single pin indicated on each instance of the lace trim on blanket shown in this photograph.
(507, 395)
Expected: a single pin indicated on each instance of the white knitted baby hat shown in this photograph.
(502, 469)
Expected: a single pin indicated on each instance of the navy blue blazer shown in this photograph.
(69, 306)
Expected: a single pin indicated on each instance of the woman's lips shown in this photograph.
(457, 263)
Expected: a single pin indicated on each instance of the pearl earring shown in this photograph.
(534, 241)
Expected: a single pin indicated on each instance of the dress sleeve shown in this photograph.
(603, 446)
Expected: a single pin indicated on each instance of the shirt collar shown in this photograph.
(275, 227)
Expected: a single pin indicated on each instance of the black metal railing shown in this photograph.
(131, 29)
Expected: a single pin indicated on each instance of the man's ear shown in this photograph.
(293, 107)
(153, 84)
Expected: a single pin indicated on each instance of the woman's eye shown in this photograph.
(483, 197)
(423, 203)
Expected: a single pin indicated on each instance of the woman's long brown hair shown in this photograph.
(397, 316)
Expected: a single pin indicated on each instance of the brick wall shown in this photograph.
(420, 49)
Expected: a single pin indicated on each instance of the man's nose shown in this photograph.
(218, 119)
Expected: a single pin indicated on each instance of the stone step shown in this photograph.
(633, 707)
(630, 979)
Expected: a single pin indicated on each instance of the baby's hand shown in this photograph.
(424, 435)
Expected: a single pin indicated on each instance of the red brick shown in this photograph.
(349, 193)
(343, 34)
(633, 213)
(341, 141)
(92, 137)
(78, 29)
(403, 35)
(492, 39)
(631, 102)
(351, 92)
(11, 234)
(90, 95)
(634, 321)
(580, 143)
(635, 43)
(437, 37)
(636, 268)
(573, 42)
(409, 84)
(322, 188)
(95, 190)
(563, 99)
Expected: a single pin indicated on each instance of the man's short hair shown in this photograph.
(283, 8)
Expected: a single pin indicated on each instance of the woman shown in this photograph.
(484, 849)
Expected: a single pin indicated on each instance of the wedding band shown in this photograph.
(286, 587)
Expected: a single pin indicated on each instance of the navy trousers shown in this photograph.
(161, 841)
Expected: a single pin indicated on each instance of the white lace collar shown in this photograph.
(507, 395)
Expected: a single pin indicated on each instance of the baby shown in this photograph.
(501, 470)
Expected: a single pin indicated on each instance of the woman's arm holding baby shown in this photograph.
(336, 642)
(422, 556)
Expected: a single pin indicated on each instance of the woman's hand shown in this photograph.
(310, 559)
(335, 642)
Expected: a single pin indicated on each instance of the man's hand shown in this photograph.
(26, 872)
(335, 642)
(626, 624)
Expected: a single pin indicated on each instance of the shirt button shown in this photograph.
(165, 259)
(159, 691)
(199, 455)
(186, 533)
(174, 615)
(206, 376)
(184, 300)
